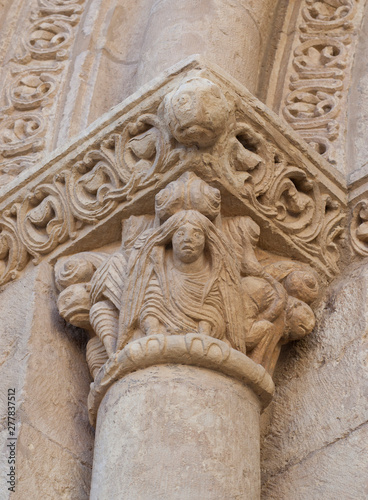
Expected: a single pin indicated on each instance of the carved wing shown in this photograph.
(243, 235)
(108, 281)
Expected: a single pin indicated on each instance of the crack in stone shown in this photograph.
(313, 452)
(83, 463)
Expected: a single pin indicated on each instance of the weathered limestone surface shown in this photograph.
(35, 54)
(187, 266)
(190, 166)
(177, 437)
(104, 63)
(229, 33)
(314, 67)
(122, 45)
(358, 108)
(314, 433)
(45, 365)
(13, 365)
(264, 169)
(69, 62)
(337, 471)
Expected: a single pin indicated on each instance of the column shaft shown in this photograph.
(230, 33)
(177, 432)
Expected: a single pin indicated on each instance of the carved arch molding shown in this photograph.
(33, 80)
(319, 47)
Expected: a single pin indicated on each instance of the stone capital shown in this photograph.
(195, 118)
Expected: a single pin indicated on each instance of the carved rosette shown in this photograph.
(30, 88)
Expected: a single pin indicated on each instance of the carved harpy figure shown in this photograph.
(155, 287)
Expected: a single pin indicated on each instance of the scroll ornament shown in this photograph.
(359, 228)
(320, 60)
(187, 270)
(36, 71)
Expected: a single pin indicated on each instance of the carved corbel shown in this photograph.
(213, 171)
(72, 278)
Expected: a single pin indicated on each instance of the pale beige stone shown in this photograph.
(310, 432)
(358, 228)
(176, 272)
(44, 362)
(189, 349)
(177, 287)
(183, 270)
(63, 64)
(171, 430)
(13, 365)
(225, 32)
(169, 399)
(314, 70)
(336, 471)
(356, 145)
(262, 169)
(33, 72)
(60, 472)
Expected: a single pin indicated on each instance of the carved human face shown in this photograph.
(188, 243)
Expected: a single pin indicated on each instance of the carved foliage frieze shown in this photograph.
(34, 77)
(359, 228)
(194, 128)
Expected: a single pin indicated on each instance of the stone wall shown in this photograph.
(315, 431)
(44, 361)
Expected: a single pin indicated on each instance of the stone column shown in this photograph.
(231, 33)
(178, 418)
(177, 409)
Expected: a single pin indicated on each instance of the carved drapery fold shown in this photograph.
(207, 184)
(185, 271)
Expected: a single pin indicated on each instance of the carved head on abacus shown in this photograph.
(197, 112)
